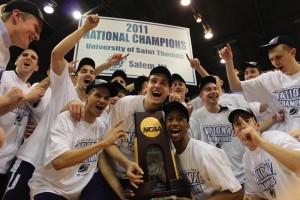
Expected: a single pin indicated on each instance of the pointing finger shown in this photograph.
(119, 123)
(187, 56)
(243, 122)
(228, 47)
(125, 56)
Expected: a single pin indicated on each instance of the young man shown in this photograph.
(226, 99)
(205, 167)
(139, 86)
(75, 148)
(251, 70)
(120, 77)
(210, 124)
(32, 152)
(272, 162)
(178, 89)
(21, 23)
(15, 115)
(122, 152)
(277, 88)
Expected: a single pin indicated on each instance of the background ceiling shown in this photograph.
(245, 24)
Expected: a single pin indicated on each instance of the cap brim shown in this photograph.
(265, 48)
(235, 112)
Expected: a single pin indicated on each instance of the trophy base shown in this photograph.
(177, 188)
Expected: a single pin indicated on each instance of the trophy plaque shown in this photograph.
(154, 155)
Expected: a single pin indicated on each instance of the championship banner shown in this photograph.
(148, 44)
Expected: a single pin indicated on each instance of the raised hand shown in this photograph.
(91, 22)
(114, 134)
(248, 135)
(226, 53)
(194, 62)
(174, 97)
(116, 58)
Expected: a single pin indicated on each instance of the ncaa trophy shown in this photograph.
(154, 155)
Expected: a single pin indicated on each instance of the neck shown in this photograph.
(221, 92)
(81, 93)
(213, 108)
(88, 117)
(22, 76)
(295, 68)
(181, 145)
(150, 107)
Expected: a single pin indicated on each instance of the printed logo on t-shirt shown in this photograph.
(20, 112)
(84, 166)
(289, 98)
(195, 181)
(264, 176)
(218, 133)
(129, 139)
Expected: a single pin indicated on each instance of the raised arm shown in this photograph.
(234, 81)
(195, 64)
(288, 157)
(113, 60)
(58, 63)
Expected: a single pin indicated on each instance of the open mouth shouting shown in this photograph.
(87, 80)
(99, 107)
(156, 94)
(27, 63)
(174, 132)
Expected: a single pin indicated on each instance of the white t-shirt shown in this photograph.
(104, 116)
(196, 103)
(266, 176)
(206, 169)
(4, 46)
(215, 129)
(63, 91)
(38, 111)
(125, 109)
(13, 122)
(66, 134)
(229, 100)
(278, 90)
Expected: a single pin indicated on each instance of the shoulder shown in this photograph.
(205, 150)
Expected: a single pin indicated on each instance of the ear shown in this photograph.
(186, 90)
(221, 82)
(293, 51)
(257, 126)
(187, 126)
(16, 16)
(86, 98)
(201, 95)
(37, 68)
